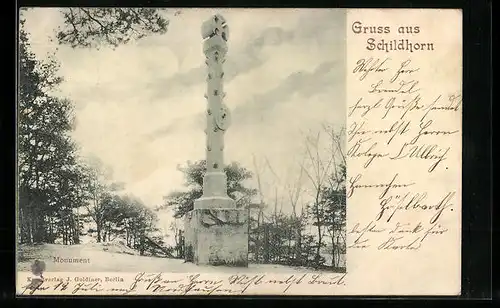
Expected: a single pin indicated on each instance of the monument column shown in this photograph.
(215, 35)
(216, 231)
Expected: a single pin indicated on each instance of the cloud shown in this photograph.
(313, 28)
(140, 108)
(237, 63)
(302, 83)
(194, 122)
(255, 110)
(257, 61)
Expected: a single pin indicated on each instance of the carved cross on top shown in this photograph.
(215, 26)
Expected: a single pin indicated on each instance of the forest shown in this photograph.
(60, 192)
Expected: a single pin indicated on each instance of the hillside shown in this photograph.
(115, 257)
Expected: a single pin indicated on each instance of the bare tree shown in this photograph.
(177, 238)
(317, 171)
(337, 139)
(294, 192)
(260, 214)
(278, 198)
(98, 193)
(335, 212)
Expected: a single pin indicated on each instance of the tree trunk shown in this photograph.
(51, 230)
(181, 245)
(30, 228)
(64, 235)
(257, 237)
(76, 231)
(39, 231)
(69, 231)
(318, 220)
(30, 218)
(99, 233)
(142, 245)
(318, 249)
(289, 248)
(298, 245)
(36, 230)
(77, 227)
(266, 244)
(23, 228)
(334, 254)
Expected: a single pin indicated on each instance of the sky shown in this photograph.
(139, 107)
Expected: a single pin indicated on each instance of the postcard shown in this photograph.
(239, 151)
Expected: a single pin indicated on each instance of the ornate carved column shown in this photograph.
(216, 231)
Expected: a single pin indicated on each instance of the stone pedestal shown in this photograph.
(217, 236)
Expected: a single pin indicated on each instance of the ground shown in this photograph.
(116, 257)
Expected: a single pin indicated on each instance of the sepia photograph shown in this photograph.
(181, 140)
